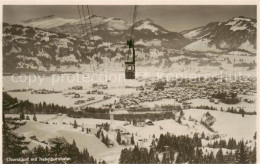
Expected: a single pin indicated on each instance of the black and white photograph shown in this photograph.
(124, 84)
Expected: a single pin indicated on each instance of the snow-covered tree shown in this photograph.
(13, 144)
(118, 137)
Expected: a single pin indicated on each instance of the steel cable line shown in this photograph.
(81, 23)
(128, 54)
(85, 20)
(86, 28)
(134, 18)
(93, 39)
(132, 28)
(82, 28)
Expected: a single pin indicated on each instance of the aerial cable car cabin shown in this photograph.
(130, 65)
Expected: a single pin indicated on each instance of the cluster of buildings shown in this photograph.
(185, 91)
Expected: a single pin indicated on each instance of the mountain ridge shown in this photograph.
(64, 46)
(236, 33)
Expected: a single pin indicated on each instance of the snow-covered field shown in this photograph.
(62, 83)
(227, 125)
(65, 81)
(45, 131)
(62, 100)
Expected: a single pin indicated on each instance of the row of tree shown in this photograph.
(231, 144)
(240, 111)
(183, 149)
(139, 117)
(230, 110)
(26, 107)
(61, 148)
(205, 107)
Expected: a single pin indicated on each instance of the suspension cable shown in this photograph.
(132, 28)
(93, 39)
(85, 20)
(81, 23)
(82, 28)
(134, 18)
(129, 52)
(90, 25)
(86, 28)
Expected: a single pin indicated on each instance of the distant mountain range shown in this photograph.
(53, 43)
(110, 29)
(236, 33)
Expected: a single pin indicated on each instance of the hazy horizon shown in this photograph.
(171, 17)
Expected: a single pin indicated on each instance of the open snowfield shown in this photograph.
(62, 83)
(227, 125)
(62, 100)
(45, 131)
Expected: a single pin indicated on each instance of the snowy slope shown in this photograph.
(234, 34)
(241, 23)
(202, 45)
(193, 34)
(47, 22)
(148, 24)
(228, 124)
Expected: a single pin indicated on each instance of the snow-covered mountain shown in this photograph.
(55, 44)
(47, 22)
(112, 30)
(148, 24)
(27, 48)
(98, 23)
(106, 29)
(51, 21)
(238, 33)
(147, 33)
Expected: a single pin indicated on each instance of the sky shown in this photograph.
(171, 17)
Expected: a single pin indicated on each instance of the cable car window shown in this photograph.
(129, 68)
